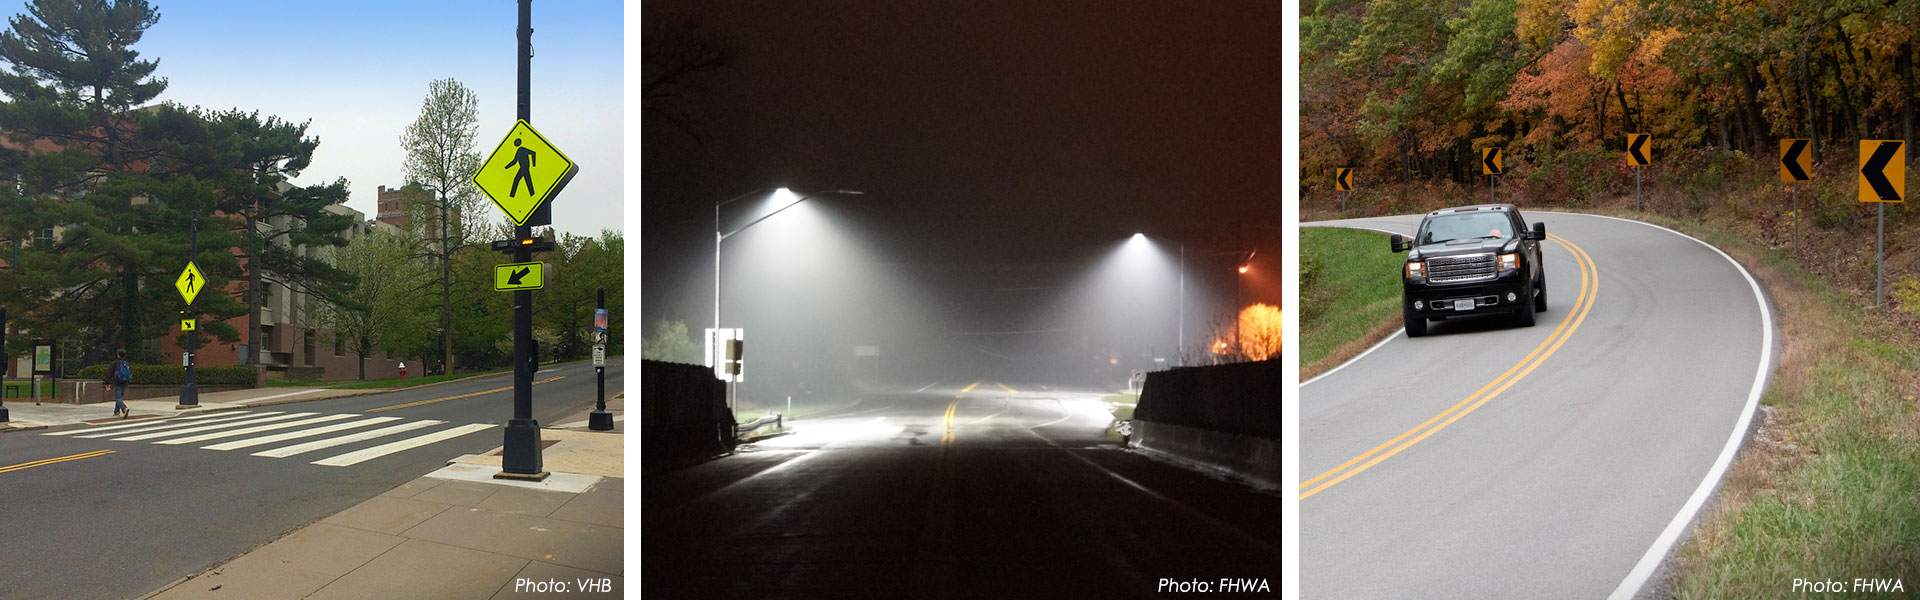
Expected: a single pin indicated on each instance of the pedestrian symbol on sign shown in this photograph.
(523, 158)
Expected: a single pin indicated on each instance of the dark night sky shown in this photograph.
(984, 133)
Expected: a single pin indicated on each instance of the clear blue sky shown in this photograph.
(360, 71)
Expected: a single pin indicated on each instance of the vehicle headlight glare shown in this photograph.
(1509, 261)
(1416, 269)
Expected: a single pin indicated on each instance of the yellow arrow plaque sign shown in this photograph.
(519, 276)
(1343, 179)
(524, 172)
(188, 324)
(1490, 160)
(190, 282)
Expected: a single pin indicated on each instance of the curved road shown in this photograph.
(1554, 461)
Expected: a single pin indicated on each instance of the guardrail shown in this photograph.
(748, 427)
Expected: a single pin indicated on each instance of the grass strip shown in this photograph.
(1349, 295)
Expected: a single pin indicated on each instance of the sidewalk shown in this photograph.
(24, 415)
(455, 533)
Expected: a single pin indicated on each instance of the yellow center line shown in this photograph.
(970, 387)
(1004, 387)
(44, 462)
(948, 437)
(1589, 288)
(479, 393)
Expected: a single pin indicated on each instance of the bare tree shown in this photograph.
(441, 159)
(675, 51)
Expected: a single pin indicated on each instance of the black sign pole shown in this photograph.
(6, 364)
(190, 393)
(600, 419)
(521, 457)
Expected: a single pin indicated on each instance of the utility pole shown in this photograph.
(190, 393)
(600, 419)
(522, 458)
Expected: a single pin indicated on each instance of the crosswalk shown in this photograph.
(256, 429)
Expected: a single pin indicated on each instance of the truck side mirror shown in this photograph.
(1539, 232)
(1399, 243)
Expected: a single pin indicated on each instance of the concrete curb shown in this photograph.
(16, 426)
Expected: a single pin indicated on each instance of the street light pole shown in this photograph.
(719, 237)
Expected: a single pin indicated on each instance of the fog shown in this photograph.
(834, 307)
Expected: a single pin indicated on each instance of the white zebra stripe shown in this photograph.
(161, 434)
(360, 456)
(174, 424)
(345, 439)
(255, 429)
(145, 423)
(250, 442)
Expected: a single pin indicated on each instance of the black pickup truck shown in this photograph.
(1472, 260)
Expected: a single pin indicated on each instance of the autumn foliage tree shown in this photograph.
(1386, 91)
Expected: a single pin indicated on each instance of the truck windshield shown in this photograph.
(1465, 226)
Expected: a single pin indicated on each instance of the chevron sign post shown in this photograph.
(1796, 165)
(1883, 179)
(1639, 154)
(1490, 166)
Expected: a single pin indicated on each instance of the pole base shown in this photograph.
(521, 458)
(598, 420)
(541, 476)
(189, 396)
(3, 415)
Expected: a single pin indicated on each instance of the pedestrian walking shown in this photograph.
(119, 374)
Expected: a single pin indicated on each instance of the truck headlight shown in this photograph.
(1416, 269)
(1509, 261)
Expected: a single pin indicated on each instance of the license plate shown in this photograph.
(1466, 304)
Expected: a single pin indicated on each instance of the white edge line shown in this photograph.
(1383, 342)
(1650, 562)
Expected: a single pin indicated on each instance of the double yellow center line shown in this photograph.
(44, 462)
(479, 393)
(947, 438)
(1589, 286)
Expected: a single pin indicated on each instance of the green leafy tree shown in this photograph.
(89, 212)
(441, 158)
(670, 342)
(380, 310)
(578, 269)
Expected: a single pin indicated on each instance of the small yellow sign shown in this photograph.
(1639, 152)
(1490, 161)
(524, 172)
(1883, 171)
(189, 324)
(1343, 179)
(1796, 160)
(519, 276)
(190, 282)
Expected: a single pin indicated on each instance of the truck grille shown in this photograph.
(1457, 269)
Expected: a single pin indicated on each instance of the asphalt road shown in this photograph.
(1487, 460)
(977, 491)
(121, 517)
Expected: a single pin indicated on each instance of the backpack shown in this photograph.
(120, 374)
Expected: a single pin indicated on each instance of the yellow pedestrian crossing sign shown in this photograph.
(188, 324)
(190, 282)
(524, 172)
